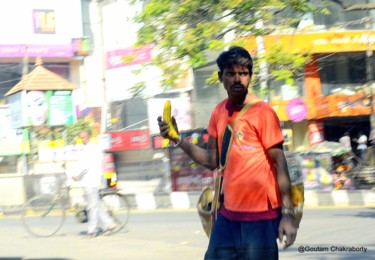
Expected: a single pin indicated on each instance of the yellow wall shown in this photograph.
(300, 135)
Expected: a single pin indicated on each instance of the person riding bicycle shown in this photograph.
(89, 175)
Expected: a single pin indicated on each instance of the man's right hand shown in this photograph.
(164, 128)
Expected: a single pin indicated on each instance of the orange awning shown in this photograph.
(336, 105)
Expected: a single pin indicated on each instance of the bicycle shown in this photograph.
(44, 215)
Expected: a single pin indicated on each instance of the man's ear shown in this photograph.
(220, 75)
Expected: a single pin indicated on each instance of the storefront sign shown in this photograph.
(337, 105)
(81, 46)
(34, 50)
(322, 42)
(334, 105)
(296, 109)
(130, 140)
(129, 56)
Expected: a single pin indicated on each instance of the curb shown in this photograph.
(188, 200)
(313, 198)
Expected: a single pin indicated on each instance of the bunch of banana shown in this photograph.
(167, 117)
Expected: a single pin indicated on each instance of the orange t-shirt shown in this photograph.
(250, 176)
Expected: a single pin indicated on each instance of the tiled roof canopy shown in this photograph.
(41, 79)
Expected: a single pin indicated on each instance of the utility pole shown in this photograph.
(263, 73)
(105, 107)
(25, 71)
(369, 68)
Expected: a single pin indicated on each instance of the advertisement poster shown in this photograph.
(44, 21)
(39, 107)
(316, 132)
(61, 110)
(18, 109)
(12, 141)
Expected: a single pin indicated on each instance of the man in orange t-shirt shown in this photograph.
(256, 207)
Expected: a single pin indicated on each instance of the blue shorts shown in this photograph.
(243, 240)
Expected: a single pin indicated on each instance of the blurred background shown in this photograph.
(109, 65)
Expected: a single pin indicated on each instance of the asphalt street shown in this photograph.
(325, 233)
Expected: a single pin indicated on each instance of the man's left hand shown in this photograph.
(287, 228)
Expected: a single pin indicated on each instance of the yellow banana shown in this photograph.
(167, 117)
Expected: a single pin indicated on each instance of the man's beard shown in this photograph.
(237, 98)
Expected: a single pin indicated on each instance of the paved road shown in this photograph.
(174, 234)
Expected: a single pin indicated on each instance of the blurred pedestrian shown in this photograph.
(90, 177)
(346, 141)
(361, 146)
(256, 208)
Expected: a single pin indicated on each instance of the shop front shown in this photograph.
(327, 117)
(186, 175)
(335, 85)
(138, 167)
(324, 167)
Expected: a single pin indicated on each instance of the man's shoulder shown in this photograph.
(220, 106)
(222, 103)
(262, 106)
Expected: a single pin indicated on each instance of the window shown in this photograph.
(342, 71)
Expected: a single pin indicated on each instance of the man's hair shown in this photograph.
(235, 56)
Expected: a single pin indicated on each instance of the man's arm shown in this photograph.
(287, 226)
(207, 157)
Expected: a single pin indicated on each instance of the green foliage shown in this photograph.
(186, 30)
(137, 89)
(72, 131)
(284, 65)
(68, 133)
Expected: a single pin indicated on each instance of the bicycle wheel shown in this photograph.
(118, 208)
(43, 215)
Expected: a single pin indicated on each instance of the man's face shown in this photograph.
(37, 107)
(84, 137)
(236, 81)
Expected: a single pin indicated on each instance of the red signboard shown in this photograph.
(130, 140)
(316, 132)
